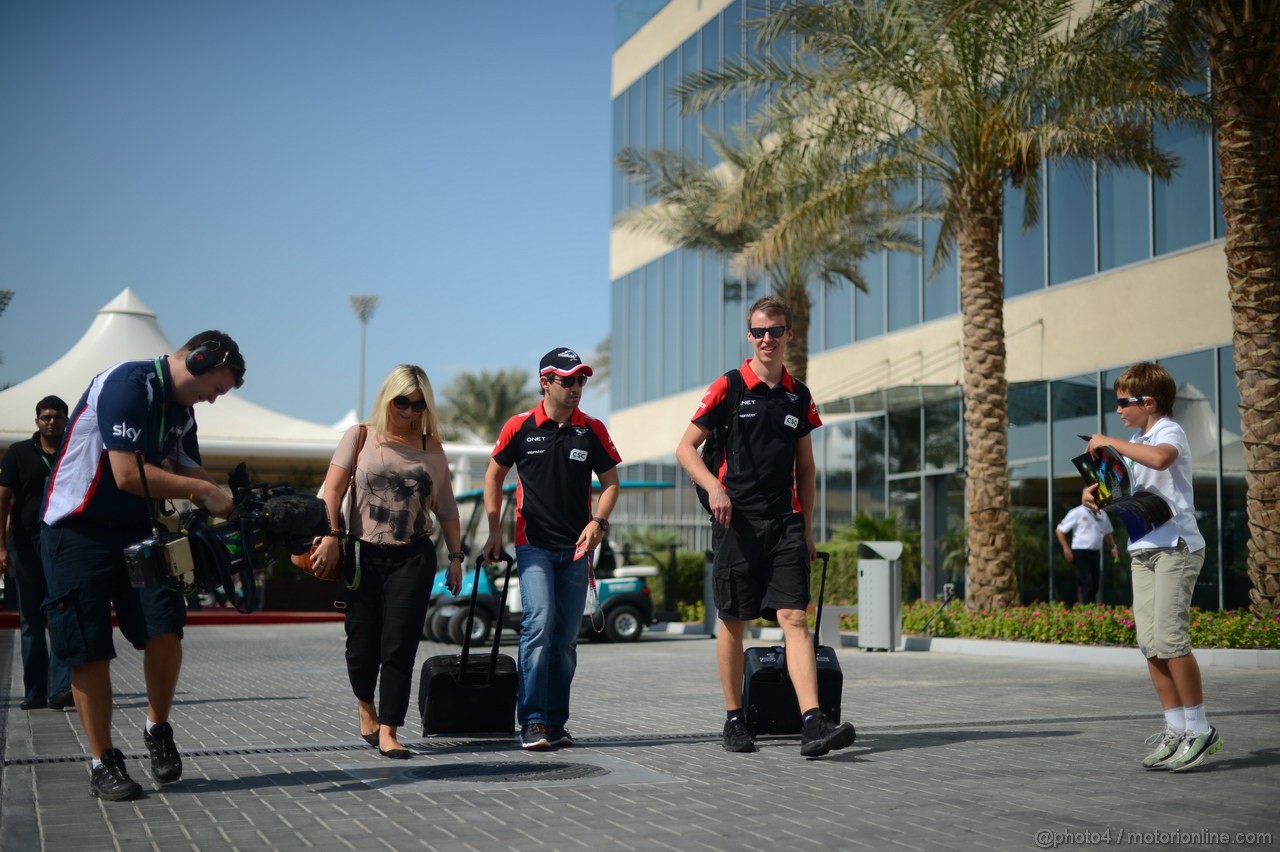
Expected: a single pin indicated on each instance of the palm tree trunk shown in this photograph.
(1244, 60)
(990, 575)
(795, 294)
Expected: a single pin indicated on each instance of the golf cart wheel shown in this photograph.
(481, 627)
(438, 624)
(427, 632)
(623, 624)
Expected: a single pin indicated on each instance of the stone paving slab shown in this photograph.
(953, 752)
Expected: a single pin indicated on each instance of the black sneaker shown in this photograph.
(533, 737)
(166, 762)
(820, 735)
(737, 736)
(558, 737)
(111, 780)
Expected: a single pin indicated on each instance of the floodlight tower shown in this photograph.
(363, 307)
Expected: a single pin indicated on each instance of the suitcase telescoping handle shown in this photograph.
(822, 593)
(510, 562)
(471, 614)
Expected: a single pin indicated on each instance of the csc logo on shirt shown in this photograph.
(577, 455)
(791, 421)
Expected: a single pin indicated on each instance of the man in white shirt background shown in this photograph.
(1089, 532)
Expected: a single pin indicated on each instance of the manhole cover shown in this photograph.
(506, 772)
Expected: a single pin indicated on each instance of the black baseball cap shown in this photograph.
(563, 362)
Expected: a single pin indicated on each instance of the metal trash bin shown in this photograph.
(879, 595)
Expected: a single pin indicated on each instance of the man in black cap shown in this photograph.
(23, 475)
(556, 449)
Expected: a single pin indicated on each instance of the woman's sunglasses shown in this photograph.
(404, 403)
(775, 331)
(569, 381)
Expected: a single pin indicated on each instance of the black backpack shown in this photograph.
(713, 448)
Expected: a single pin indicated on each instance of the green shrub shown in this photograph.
(842, 572)
(1082, 625)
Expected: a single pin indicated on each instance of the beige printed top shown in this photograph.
(396, 485)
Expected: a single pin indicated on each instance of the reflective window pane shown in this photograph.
(837, 316)
(1023, 249)
(942, 435)
(869, 305)
(869, 457)
(689, 63)
(711, 302)
(690, 264)
(1124, 217)
(1183, 207)
(1070, 197)
(1028, 421)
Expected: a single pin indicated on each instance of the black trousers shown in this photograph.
(1088, 573)
(384, 623)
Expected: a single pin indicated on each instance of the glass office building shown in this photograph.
(1119, 268)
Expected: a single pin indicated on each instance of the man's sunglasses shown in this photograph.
(1126, 401)
(404, 403)
(774, 331)
(569, 381)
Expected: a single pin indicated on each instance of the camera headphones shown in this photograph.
(205, 357)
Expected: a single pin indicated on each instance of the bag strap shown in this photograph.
(471, 614)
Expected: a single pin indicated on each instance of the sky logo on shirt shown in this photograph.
(121, 430)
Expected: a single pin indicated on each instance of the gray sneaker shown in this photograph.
(1168, 742)
(1194, 749)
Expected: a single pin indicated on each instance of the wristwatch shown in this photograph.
(458, 555)
(603, 524)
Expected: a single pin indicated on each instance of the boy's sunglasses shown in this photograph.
(775, 331)
(404, 403)
(569, 381)
(1126, 401)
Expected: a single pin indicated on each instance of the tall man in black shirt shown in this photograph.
(761, 501)
(23, 474)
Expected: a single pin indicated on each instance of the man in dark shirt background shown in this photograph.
(24, 471)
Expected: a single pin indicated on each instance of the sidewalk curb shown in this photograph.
(1267, 659)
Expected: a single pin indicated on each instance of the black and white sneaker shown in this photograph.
(111, 780)
(737, 736)
(166, 762)
(558, 737)
(533, 737)
(820, 735)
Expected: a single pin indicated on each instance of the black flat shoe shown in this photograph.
(371, 739)
(33, 703)
(395, 753)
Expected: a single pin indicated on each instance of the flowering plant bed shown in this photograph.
(1095, 624)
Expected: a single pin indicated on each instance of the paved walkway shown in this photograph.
(953, 752)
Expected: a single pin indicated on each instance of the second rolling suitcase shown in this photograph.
(462, 694)
(769, 697)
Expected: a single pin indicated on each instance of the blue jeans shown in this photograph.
(553, 592)
(43, 674)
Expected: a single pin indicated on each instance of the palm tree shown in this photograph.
(706, 209)
(1242, 41)
(482, 402)
(968, 96)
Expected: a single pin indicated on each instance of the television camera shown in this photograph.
(211, 556)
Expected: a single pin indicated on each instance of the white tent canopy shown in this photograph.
(126, 329)
(231, 430)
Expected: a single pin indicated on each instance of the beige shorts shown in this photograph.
(1164, 579)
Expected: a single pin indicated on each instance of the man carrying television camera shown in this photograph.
(136, 411)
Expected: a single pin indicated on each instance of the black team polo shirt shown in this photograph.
(759, 469)
(554, 465)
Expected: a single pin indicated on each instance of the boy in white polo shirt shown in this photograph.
(1165, 563)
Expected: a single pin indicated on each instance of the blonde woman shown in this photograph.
(401, 479)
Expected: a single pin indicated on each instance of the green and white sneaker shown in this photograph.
(1169, 742)
(1194, 749)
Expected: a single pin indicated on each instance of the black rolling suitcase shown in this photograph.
(461, 694)
(769, 697)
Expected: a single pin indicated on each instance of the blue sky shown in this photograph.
(249, 164)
